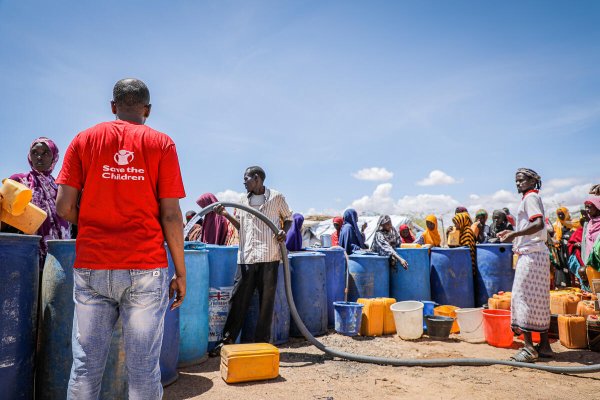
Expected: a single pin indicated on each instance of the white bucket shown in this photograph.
(470, 321)
(408, 318)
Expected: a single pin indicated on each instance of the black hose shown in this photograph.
(435, 362)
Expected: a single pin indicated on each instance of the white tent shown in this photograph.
(312, 231)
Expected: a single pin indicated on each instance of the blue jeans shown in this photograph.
(140, 298)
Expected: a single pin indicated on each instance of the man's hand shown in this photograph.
(221, 210)
(506, 236)
(177, 285)
(281, 235)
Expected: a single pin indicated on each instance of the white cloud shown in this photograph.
(229, 195)
(373, 174)
(552, 185)
(438, 177)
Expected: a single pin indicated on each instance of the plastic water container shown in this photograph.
(428, 307)
(308, 274)
(470, 321)
(369, 276)
(56, 356)
(452, 277)
(29, 221)
(408, 318)
(222, 262)
(494, 271)
(411, 284)
(438, 327)
(14, 196)
(496, 326)
(19, 260)
(448, 311)
(193, 313)
(335, 262)
(348, 317)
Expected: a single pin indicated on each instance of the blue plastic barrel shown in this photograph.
(169, 351)
(335, 262)
(411, 284)
(348, 317)
(308, 274)
(452, 277)
(19, 261)
(369, 276)
(193, 313)
(280, 329)
(494, 271)
(222, 261)
(56, 356)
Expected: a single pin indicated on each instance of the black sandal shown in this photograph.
(216, 351)
(525, 355)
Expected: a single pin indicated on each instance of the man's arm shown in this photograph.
(66, 203)
(509, 236)
(171, 222)
(231, 218)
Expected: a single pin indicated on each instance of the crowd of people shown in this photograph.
(121, 258)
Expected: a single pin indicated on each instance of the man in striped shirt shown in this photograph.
(258, 256)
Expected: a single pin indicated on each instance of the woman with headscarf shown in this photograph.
(499, 223)
(575, 259)
(452, 235)
(479, 228)
(335, 236)
(590, 244)
(386, 240)
(214, 226)
(563, 223)
(293, 240)
(463, 223)
(431, 236)
(406, 236)
(351, 238)
(42, 157)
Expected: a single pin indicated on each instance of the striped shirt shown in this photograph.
(257, 241)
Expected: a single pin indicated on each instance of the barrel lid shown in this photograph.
(17, 236)
(372, 255)
(305, 254)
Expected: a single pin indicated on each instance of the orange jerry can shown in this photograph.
(500, 301)
(448, 311)
(249, 362)
(572, 331)
(389, 326)
(564, 303)
(585, 308)
(373, 314)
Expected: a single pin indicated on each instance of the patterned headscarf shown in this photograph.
(531, 174)
(44, 190)
(385, 242)
(463, 223)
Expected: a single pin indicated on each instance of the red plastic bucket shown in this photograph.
(496, 327)
(535, 337)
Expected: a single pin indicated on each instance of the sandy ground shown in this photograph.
(306, 373)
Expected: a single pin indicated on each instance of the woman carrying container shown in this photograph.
(530, 305)
(42, 157)
(386, 241)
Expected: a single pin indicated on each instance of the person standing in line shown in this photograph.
(509, 217)
(335, 236)
(386, 241)
(351, 238)
(431, 237)
(293, 241)
(463, 223)
(127, 175)
(214, 226)
(258, 257)
(530, 307)
(479, 228)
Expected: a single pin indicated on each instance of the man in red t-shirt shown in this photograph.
(126, 178)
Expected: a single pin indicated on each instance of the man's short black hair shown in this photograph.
(131, 92)
(256, 170)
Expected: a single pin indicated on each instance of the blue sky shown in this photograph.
(315, 91)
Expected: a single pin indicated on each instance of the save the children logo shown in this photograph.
(122, 173)
(123, 157)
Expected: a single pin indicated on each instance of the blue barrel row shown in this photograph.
(318, 279)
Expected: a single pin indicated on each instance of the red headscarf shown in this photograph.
(410, 239)
(214, 228)
(335, 237)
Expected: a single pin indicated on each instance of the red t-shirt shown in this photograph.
(122, 169)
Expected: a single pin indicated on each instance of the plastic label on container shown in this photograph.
(218, 308)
